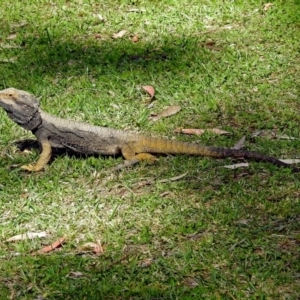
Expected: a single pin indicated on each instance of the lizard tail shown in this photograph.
(160, 145)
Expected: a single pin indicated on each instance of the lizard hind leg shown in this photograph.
(132, 158)
(130, 155)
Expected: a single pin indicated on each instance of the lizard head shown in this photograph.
(21, 107)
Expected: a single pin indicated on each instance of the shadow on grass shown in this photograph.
(251, 255)
(39, 58)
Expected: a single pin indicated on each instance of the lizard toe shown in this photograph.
(30, 168)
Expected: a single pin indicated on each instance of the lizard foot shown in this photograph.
(125, 164)
(31, 168)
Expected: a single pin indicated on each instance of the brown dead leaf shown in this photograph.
(135, 38)
(18, 25)
(164, 194)
(8, 60)
(119, 34)
(267, 6)
(98, 36)
(12, 36)
(259, 251)
(24, 195)
(27, 236)
(169, 111)
(197, 131)
(285, 137)
(136, 10)
(290, 161)
(146, 262)
(150, 90)
(256, 133)
(235, 166)
(71, 62)
(8, 46)
(269, 134)
(93, 247)
(176, 178)
(242, 222)
(75, 274)
(240, 144)
(190, 282)
(211, 45)
(51, 247)
(26, 152)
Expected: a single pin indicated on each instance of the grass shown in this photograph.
(214, 234)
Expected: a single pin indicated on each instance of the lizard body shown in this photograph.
(23, 108)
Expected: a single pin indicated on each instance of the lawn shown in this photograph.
(212, 233)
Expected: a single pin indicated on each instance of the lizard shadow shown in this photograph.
(32, 144)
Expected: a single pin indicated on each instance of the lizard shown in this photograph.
(54, 132)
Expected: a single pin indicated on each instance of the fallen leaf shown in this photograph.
(197, 131)
(166, 193)
(18, 25)
(290, 161)
(235, 166)
(169, 111)
(8, 60)
(98, 36)
(53, 246)
(210, 45)
(285, 137)
(71, 62)
(150, 105)
(136, 10)
(93, 247)
(237, 244)
(176, 178)
(146, 262)
(75, 274)
(12, 36)
(239, 144)
(150, 90)
(242, 222)
(26, 152)
(8, 46)
(190, 282)
(100, 17)
(119, 34)
(273, 135)
(27, 236)
(24, 196)
(256, 133)
(240, 175)
(267, 6)
(259, 251)
(269, 134)
(135, 38)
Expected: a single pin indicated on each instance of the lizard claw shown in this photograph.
(30, 168)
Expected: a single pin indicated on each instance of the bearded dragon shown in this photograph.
(53, 132)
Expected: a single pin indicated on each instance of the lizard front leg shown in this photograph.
(43, 160)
